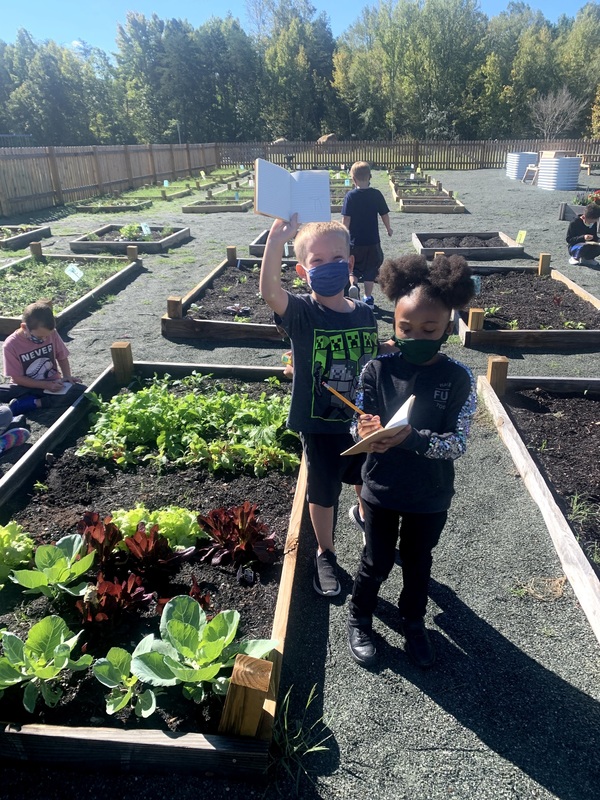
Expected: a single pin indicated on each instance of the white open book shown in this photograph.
(400, 418)
(279, 193)
(65, 388)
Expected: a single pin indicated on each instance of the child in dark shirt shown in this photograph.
(582, 237)
(408, 477)
(361, 210)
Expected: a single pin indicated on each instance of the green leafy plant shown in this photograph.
(578, 326)
(40, 661)
(220, 430)
(298, 283)
(16, 549)
(193, 652)
(131, 232)
(178, 525)
(166, 231)
(513, 324)
(242, 319)
(491, 311)
(114, 671)
(56, 567)
(237, 536)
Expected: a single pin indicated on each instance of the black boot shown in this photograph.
(360, 642)
(418, 644)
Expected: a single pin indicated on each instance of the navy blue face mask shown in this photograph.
(329, 279)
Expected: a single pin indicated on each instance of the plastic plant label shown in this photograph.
(237, 196)
(165, 183)
(203, 174)
(476, 283)
(145, 228)
(73, 271)
(521, 237)
(346, 181)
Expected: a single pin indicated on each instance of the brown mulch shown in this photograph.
(562, 431)
(533, 302)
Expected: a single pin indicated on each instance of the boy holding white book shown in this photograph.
(332, 337)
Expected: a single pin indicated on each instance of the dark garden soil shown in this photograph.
(561, 431)
(235, 293)
(464, 241)
(526, 301)
(72, 485)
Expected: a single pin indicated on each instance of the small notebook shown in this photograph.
(65, 388)
(400, 418)
(279, 193)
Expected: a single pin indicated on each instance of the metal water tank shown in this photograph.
(517, 163)
(559, 173)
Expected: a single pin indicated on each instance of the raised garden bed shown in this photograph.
(569, 212)
(203, 312)
(224, 175)
(158, 193)
(112, 205)
(257, 247)
(244, 731)
(526, 310)
(69, 298)
(438, 204)
(486, 245)
(14, 237)
(550, 427)
(217, 206)
(107, 238)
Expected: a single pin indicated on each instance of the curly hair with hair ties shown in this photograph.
(448, 280)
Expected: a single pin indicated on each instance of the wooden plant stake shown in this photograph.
(544, 264)
(132, 252)
(35, 248)
(122, 358)
(174, 307)
(247, 691)
(231, 254)
(475, 321)
(497, 373)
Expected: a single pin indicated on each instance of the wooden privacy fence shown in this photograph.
(32, 178)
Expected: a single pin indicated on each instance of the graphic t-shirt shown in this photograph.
(22, 357)
(326, 346)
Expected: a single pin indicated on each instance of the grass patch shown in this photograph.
(21, 284)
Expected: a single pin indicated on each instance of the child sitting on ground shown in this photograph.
(12, 430)
(37, 362)
(582, 237)
(408, 477)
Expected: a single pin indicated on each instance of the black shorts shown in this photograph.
(326, 469)
(367, 260)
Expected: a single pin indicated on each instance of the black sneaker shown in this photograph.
(356, 518)
(418, 644)
(325, 581)
(360, 642)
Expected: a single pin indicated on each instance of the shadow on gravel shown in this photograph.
(518, 708)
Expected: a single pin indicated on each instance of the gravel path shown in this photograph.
(511, 709)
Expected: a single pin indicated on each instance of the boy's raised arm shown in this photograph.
(271, 290)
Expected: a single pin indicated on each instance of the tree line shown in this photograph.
(423, 69)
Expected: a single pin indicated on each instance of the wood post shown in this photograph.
(231, 254)
(438, 253)
(497, 373)
(152, 164)
(122, 358)
(57, 188)
(450, 193)
(198, 185)
(163, 194)
(173, 171)
(544, 264)
(35, 248)
(128, 166)
(228, 187)
(248, 689)
(97, 170)
(475, 320)
(174, 307)
(132, 252)
(209, 194)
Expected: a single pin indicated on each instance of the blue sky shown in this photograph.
(96, 22)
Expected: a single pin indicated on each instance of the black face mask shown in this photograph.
(419, 351)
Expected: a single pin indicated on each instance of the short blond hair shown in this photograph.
(312, 230)
(360, 171)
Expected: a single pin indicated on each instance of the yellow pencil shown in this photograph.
(342, 398)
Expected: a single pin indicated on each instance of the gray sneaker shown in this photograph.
(573, 261)
(325, 581)
(354, 292)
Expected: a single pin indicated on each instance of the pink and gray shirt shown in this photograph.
(22, 357)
